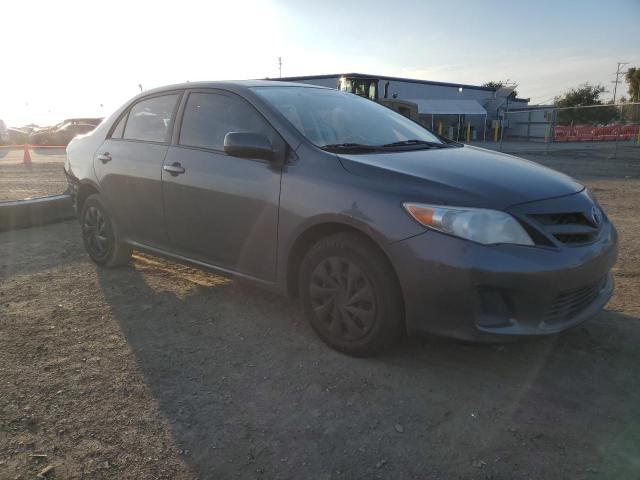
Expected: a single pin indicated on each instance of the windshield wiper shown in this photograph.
(411, 142)
(351, 147)
(360, 147)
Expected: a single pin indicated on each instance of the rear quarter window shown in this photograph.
(119, 130)
(149, 120)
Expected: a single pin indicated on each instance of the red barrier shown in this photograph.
(586, 133)
(33, 146)
(629, 132)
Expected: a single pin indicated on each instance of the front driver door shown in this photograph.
(219, 209)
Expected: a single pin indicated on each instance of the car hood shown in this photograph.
(464, 176)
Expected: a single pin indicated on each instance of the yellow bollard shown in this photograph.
(638, 137)
(439, 128)
(468, 132)
(495, 134)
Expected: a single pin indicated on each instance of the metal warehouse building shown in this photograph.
(448, 108)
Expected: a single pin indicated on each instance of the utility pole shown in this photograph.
(617, 80)
(280, 66)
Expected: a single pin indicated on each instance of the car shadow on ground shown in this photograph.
(249, 391)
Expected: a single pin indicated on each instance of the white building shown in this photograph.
(445, 107)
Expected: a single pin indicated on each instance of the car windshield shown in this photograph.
(330, 118)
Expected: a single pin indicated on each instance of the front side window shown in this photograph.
(330, 117)
(208, 117)
(149, 120)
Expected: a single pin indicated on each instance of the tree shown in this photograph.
(501, 84)
(633, 81)
(585, 94)
(582, 96)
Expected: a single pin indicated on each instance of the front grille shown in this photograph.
(570, 303)
(572, 228)
(574, 238)
(562, 219)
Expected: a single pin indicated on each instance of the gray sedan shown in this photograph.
(379, 226)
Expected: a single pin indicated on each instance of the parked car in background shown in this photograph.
(4, 133)
(18, 136)
(63, 132)
(378, 225)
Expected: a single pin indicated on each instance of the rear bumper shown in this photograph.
(73, 186)
(460, 289)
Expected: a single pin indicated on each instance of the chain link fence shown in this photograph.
(612, 130)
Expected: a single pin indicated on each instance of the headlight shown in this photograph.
(476, 224)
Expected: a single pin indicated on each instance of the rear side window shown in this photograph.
(208, 117)
(117, 132)
(149, 120)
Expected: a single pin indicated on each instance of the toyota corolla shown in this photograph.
(379, 226)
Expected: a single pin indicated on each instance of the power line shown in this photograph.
(544, 102)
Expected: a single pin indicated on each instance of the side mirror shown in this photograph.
(248, 145)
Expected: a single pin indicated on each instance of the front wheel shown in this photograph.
(350, 295)
(101, 236)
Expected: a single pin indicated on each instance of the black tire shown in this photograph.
(101, 235)
(350, 295)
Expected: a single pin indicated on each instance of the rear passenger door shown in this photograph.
(129, 167)
(220, 209)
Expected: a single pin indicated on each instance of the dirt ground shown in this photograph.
(43, 177)
(19, 182)
(156, 370)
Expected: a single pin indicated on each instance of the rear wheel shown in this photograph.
(350, 295)
(101, 236)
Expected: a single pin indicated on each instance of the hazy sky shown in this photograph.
(67, 58)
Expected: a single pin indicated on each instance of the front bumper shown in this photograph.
(460, 289)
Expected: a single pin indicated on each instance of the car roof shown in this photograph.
(233, 85)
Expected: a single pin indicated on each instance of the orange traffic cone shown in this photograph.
(26, 159)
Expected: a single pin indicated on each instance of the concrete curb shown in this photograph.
(35, 212)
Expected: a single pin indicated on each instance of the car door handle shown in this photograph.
(174, 169)
(105, 157)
